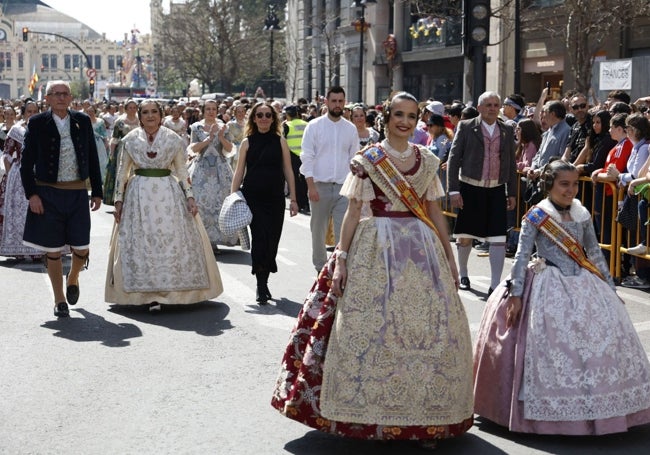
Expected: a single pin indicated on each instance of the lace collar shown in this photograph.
(578, 212)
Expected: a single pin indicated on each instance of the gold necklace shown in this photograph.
(402, 156)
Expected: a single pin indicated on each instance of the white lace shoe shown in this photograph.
(634, 281)
(639, 250)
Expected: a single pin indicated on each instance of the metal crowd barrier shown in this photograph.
(612, 238)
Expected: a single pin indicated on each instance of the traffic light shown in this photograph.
(91, 87)
(477, 24)
(25, 32)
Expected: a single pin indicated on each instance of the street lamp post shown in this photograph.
(271, 23)
(361, 26)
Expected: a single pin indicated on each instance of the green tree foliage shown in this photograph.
(221, 43)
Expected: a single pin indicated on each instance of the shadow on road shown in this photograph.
(283, 305)
(317, 443)
(93, 327)
(205, 318)
(289, 307)
(233, 255)
(636, 440)
(29, 265)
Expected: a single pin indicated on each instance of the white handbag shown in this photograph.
(235, 214)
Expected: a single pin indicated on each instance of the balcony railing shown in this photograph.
(435, 32)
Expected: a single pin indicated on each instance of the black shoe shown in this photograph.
(267, 293)
(483, 246)
(71, 292)
(464, 283)
(260, 296)
(61, 310)
(155, 307)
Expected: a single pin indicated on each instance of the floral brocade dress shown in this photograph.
(391, 358)
(573, 364)
(159, 252)
(211, 179)
(121, 128)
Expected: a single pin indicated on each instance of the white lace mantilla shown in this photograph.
(583, 358)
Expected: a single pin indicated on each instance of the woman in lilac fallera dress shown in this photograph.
(556, 351)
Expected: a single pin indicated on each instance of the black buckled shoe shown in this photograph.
(464, 284)
(261, 296)
(61, 310)
(71, 292)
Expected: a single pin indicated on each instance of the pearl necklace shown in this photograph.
(402, 156)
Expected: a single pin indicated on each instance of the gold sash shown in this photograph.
(395, 182)
(555, 232)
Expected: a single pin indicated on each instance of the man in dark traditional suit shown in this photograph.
(482, 183)
(59, 155)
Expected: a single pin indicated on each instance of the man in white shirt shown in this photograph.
(328, 145)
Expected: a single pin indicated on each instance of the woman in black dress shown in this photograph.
(263, 167)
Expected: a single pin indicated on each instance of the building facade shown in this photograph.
(420, 49)
(54, 57)
(403, 49)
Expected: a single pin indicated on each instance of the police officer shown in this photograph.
(294, 128)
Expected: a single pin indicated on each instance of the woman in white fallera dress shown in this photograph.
(13, 203)
(160, 252)
(210, 172)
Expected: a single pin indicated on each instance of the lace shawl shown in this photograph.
(425, 181)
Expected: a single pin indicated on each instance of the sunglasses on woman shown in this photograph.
(263, 114)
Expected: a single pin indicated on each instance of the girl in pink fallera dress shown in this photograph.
(556, 351)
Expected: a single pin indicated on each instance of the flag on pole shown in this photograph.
(33, 81)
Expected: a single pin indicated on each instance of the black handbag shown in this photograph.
(533, 193)
(628, 213)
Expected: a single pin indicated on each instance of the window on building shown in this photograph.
(21, 61)
(337, 12)
(67, 62)
(111, 62)
(45, 62)
(53, 62)
(120, 63)
(8, 60)
(98, 62)
(542, 3)
(309, 18)
(76, 60)
(435, 23)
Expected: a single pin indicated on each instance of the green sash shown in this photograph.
(153, 172)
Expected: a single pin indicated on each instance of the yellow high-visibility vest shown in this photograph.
(294, 136)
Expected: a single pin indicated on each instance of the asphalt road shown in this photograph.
(198, 380)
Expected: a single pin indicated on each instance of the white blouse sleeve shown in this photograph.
(435, 190)
(357, 188)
